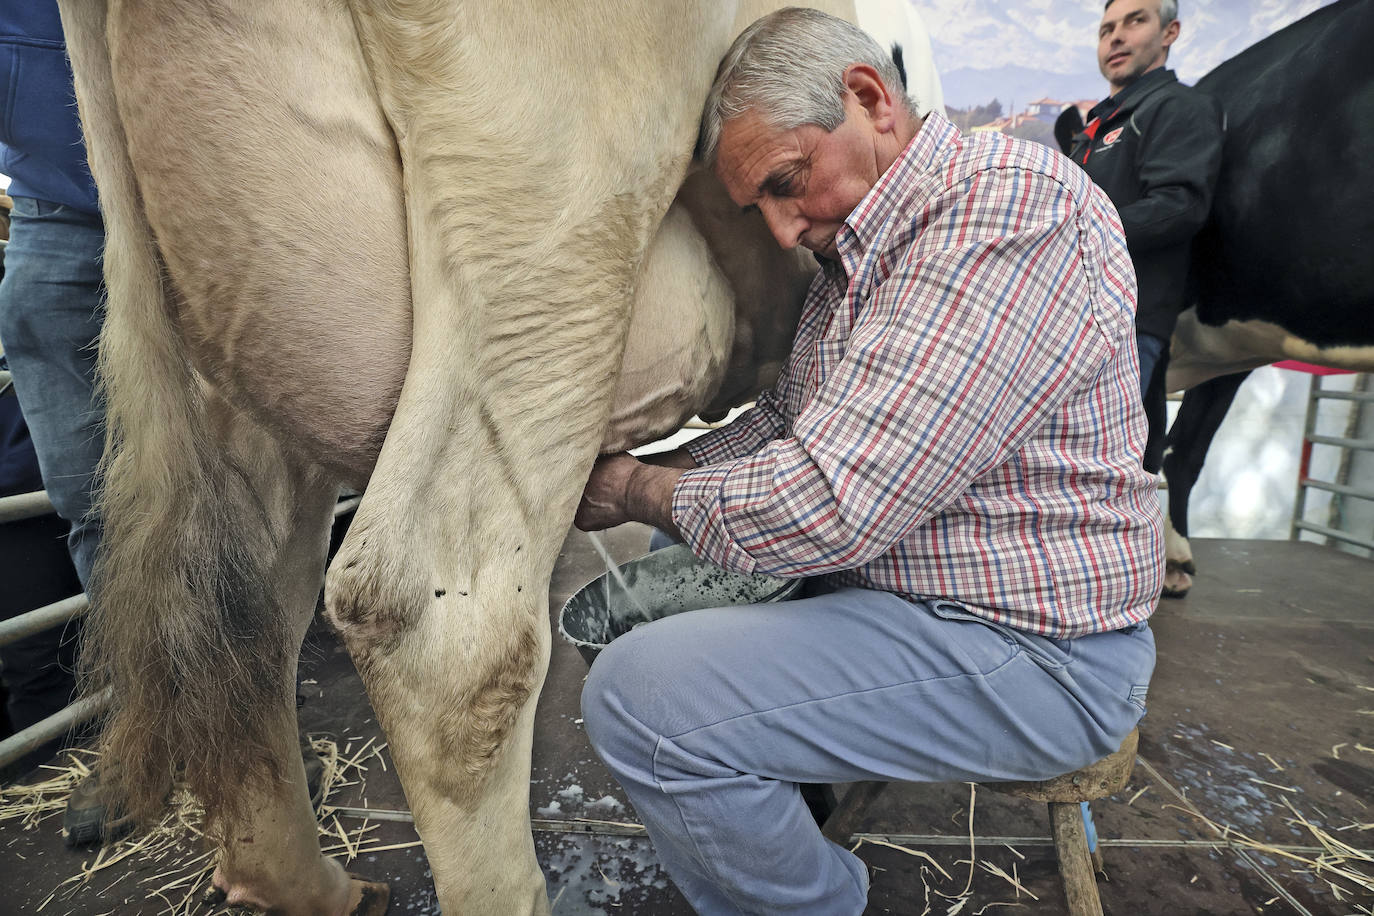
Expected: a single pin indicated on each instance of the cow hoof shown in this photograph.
(218, 899)
(369, 898)
(1177, 580)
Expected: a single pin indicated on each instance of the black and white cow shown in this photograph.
(1284, 268)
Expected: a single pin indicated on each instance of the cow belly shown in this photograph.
(1200, 351)
(714, 314)
(681, 328)
(276, 203)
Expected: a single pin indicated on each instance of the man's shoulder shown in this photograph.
(987, 176)
(991, 151)
(1172, 97)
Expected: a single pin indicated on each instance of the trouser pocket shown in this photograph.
(1137, 695)
(1051, 654)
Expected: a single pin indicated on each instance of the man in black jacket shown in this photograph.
(1154, 145)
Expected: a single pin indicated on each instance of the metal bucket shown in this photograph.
(665, 582)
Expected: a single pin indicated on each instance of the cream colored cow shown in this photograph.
(453, 345)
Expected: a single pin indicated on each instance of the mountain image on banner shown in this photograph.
(1016, 86)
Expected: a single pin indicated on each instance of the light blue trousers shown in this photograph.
(710, 720)
(49, 321)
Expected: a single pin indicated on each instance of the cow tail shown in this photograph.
(184, 632)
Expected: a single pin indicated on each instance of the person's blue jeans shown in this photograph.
(1154, 366)
(711, 719)
(1150, 348)
(50, 315)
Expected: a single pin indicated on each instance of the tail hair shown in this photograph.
(184, 630)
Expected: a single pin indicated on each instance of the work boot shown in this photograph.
(91, 817)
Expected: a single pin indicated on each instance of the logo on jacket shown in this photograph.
(1112, 136)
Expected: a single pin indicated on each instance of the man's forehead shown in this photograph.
(744, 129)
(745, 139)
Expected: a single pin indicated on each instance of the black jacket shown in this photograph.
(1155, 148)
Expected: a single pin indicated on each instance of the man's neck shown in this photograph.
(1117, 90)
(906, 129)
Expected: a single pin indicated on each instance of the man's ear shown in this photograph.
(872, 95)
(1170, 34)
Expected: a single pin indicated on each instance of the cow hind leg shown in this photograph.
(269, 847)
(216, 691)
(1199, 418)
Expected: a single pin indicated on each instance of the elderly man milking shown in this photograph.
(951, 456)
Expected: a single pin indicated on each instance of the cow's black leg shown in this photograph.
(1203, 409)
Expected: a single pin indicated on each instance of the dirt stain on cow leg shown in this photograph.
(448, 726)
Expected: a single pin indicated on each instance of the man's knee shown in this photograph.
(615, 701)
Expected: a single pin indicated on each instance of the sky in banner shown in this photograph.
(1020, 50)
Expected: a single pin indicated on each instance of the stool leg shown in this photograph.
(846, 817)
(1075, 866)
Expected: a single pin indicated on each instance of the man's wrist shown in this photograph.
(649, 496)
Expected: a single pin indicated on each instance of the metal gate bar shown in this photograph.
(1348, 444)
(32, 505)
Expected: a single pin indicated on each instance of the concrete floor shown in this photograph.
(1263, 694)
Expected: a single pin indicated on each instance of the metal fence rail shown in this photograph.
(24, 505)
(43, 618)
(53, 727)
(32, 505)
(17, 508)
(13, 509)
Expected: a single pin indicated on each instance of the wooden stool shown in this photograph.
(1064, 794)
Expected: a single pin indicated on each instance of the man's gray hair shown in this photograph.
(1168, 10)
(789, 68)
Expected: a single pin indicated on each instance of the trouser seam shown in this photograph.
(706, 861)
(1019, 650)
(702, 858)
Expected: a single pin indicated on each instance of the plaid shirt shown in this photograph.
(960, 415)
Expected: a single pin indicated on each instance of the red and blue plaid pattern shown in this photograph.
(960, 415)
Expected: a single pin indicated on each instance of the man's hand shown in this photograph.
(623, 489)
(603, 498)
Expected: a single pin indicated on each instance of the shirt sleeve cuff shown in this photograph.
(710, 448)
(699, 517)
(726, 444)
